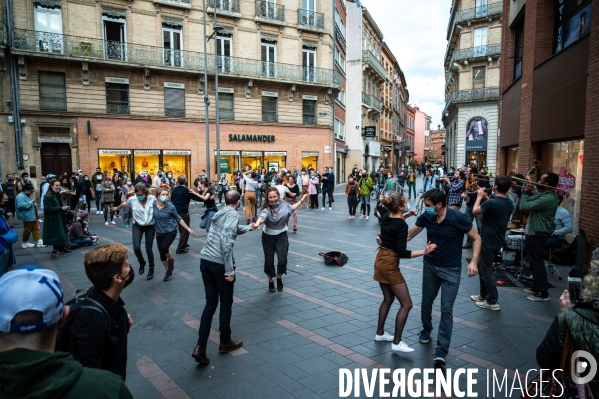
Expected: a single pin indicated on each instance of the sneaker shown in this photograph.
(106, 223)
(439, 358)
(424, 337)
(40, 244)
(113, 222)
(330, 209)
(361, 217)
(322, 208)
(401, 347)
(366, 217)
(27, 245)
(97, 212)
(383, 338)
(477, 298)
(350, 217)
(530, 291)
(487, 305)
(101, 212)
(538, 297)
(41, 220)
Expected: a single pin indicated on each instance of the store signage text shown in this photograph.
(146, 152)
(114, 152)
(260, 138)
(270, 94)
(176, 152)
(567, 182)
(307, 97)
(117, 80)
(274, 153)
(309, 154)
(174, 85)
(55, 139)
(226, 90)
(227, 153)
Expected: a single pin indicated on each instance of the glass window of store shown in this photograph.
(110, 159)
(229, 163)
(148, 160)
(309, 159)
(276, 160)
(566, 158)
(177, 162)
(251, 160)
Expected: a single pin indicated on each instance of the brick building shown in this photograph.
(340, 56)
(436, 142)
(422, 127)
(549, 96)
(408, 145)
(120, 84)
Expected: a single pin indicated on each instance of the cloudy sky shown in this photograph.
(416, 34)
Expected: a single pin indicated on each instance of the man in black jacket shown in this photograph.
(328, 186)
(98, 337)
(180, 198)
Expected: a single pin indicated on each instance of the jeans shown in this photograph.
(127, 214)
(84, 241)
(164, 242)
(98, 198)
(215, 286)
(411, 187)
(534, 248)
(329, 192)
(137, 233)
(365, 204)
(183, 233)
(352, 203)
(479, 221)
(486, 275)
(207, 221)
(448, 280)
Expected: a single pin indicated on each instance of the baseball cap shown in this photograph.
(30, 288)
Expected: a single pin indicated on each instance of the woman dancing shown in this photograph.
(392, 240)
(54, 230)
(275, 215)
(292, 197)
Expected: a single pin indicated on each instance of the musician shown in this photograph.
(563, 226)
(495, 214)
(470, 195)
(455, 188)
(542, 207)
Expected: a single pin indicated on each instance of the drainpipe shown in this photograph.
(14, 88)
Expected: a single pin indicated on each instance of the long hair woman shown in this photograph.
(167, 222)
(54, 231)
(275, 215)
(394, 237)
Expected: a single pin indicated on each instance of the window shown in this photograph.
(339, 59)
(519, 50)
(114, 38)
(267, 9)
(174, 102)
(225, 106)
(309, 112)
(269, 57)
(478, 77)
(53, 92)
(339, 23)
(481, 8)
(223, 50)
(480, 42)
(269, 109)
(48, 29)
(308, 63)
(308, 16)
(339, 129)
(172, 43)
(341, 97)
(572, 22)
(117, 98)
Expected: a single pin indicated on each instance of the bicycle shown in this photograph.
(420, 204)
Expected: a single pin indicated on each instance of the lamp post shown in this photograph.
(216, 29)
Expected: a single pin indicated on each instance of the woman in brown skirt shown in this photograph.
(392, 240)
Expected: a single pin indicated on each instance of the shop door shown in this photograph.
(56, 159)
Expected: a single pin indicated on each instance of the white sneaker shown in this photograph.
(40, 244)
(529, 291)
(367, 217)
(330, 209)
(106, 223)
(101, 212)
(477, 298)
(41, 220)
(244, 208)
(27, 245)
(361, 217)
(113, 222)
(322, 208)
(383, 338)
(97, 212)
(487, 305)
(401, 347)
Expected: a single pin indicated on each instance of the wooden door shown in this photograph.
(56, 159)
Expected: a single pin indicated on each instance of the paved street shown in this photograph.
(296, 341)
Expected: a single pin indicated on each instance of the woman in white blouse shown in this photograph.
(142, 204)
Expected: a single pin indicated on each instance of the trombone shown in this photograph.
(519, 180)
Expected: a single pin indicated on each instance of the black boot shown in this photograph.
(150, 273)
(279, 284)
(271, 286)
(142, 268)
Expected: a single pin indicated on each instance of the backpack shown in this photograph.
(63, 340)
(352, 190)
(334, 258)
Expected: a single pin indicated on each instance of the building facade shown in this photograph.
(339, 123)
(436, 144)
(410, 135)
(472, 70)
(121, 85)
(549, 95)
(422, 127)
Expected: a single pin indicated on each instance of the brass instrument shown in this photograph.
(519, 180)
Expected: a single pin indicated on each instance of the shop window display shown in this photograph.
(275, 160)
(146, 160)
(110, 159)
(251, 160)
(309, 160)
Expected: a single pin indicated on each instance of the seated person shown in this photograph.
(563, 226)
(79, 235)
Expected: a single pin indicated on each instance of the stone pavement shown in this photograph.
(296, 341)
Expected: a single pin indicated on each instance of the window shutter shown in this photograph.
(174, 98)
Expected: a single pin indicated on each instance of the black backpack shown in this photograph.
(76, 304)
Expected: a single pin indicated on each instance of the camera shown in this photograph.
(574, 288)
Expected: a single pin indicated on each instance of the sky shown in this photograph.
(416, 31)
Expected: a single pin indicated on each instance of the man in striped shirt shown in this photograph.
(456, 188)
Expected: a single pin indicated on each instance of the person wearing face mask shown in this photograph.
(108, 194)
(96, 335)
(445, 227)
(352, 191)
(24, 181)
(54, 231)
(275, 215)
(365, 185)
(97, 180)
(167, 221)
(142, 177)
(87, 193)
(79, 235)
(313, 190)
(170, 180)
(127, 190)
(305, 182)
(158, 178)
(390, 184)
(223, 187)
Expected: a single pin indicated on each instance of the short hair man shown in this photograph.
(27, 212)
(91, 341)
(218, 274)
(32, 312)
(495, 214)
(180, 198)
(328, 186)
(563, 226)
(455, 188)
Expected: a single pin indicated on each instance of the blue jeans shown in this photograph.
(411, 186)
(215, 286)
(207, 221)
(325, 192)
(479, 221)
(448, 280)
(486, 275)
(98, 198)
(84, 241)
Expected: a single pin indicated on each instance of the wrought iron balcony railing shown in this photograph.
(371, 102)
(117, 109)
(471, 54)
(267, 11)
(226, 7)
(53, 105)
(371, 59)
(171, 112)
(310, 20)
(270, 118)
(175, 3)
(469, 96)
(226, 114)
(149, 56)
(309, 120)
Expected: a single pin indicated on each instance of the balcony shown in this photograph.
(473, 53)
(470, 96)
(117, 109)
(371, 101)
(175, 3)
(371, 61)
(75, 48)
(270, 13)
(225, 7)
(168, 112)
(310, 20)
(226, 114)
(269, 117)
(309, 119)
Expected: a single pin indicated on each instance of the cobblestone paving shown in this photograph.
(296, 341)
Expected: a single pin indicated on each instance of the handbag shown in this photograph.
(10, 237)
(334, 258)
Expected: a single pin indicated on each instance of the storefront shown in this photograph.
(178, 162)
(276, 160)
(512, 159)
(251, 160)
(110, 159)
(309, 160)
(148, 160)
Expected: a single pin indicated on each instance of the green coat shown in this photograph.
(54, 231)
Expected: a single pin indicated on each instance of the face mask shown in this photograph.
(141, 197)
(124, 176)
(25, 178)
(131, 277)
(145, 174)
(430, 211)
(56, 190)
(169, 175)
(86, 179)
(273, 203)
(408, 207)
(351, 181)
(363, 174)
(164, 198)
